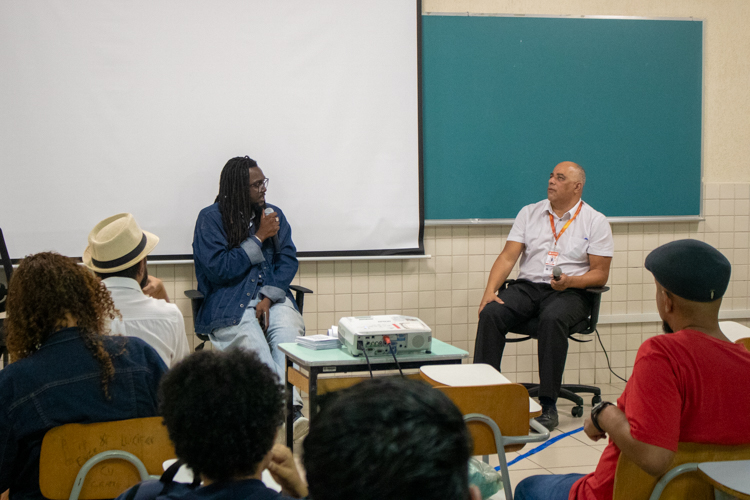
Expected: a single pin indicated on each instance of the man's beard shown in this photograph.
(665, 327)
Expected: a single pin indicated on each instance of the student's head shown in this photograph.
(566, 183)
(222, 410)
(388, 438)
(691, 278)
(49, 292)
(242, 195)
(118, 247)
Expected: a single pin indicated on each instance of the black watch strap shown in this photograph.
(596, 410)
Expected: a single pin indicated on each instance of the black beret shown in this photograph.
(690, 269)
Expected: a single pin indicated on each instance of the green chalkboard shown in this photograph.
(504, 99)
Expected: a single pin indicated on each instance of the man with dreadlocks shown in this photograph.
(245, 261)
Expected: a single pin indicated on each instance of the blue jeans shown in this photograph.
(285, 325)
(548, 487)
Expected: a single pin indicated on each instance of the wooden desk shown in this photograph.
(731, 478)
(339, 360)
(733, 330)
(470, 375)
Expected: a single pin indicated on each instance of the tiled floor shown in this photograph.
(572, 454)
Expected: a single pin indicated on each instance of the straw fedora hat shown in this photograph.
(117, 243)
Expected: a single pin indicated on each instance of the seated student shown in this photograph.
(117, 253)
(690, 385)
(222, 410)
(389, 438)
(65, 367)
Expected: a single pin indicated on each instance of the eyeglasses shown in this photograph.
(257, 185)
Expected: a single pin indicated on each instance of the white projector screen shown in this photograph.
(110, 106)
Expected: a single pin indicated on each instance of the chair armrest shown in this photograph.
(671, 474)
(541, 434)
(600, 290)
(299, 295)
(193, 294)
(196, 300)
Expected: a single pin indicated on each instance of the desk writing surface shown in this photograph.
(733, 474)
(470, 375)
(331, 357)
(733, 330)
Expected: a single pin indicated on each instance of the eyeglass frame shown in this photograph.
(257, 185)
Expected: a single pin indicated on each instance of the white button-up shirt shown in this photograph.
(155, 321)
(588, 234)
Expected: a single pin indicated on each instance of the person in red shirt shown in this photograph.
(684, 386)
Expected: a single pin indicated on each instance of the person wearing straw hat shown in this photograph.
(117, 253)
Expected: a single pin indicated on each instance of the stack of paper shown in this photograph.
(318, 342)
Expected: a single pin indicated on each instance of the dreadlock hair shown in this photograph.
(45, 287)
(234, 199)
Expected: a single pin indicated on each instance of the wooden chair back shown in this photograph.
(745, 342)
(66, 448)
(506, 404)
(633, 483)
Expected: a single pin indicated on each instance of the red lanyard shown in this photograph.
(552, 223)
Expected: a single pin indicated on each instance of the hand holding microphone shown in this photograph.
(559, 280)
(269, 224)
(556, 273)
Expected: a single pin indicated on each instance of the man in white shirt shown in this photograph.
(117, 254)
(560, 231)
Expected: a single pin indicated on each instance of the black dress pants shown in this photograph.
(557, 312)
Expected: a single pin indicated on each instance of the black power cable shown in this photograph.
(393, 353)
(606, 356)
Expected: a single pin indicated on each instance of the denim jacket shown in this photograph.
(229, 278)
(61, 384)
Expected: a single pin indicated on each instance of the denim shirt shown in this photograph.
(61, 384)
(229, 278)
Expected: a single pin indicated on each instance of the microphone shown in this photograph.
(275, 238)
(556, 273)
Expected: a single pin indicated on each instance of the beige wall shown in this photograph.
(445, 289)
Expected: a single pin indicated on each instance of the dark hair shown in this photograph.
(234, 199)
(42, 290)
(222, 410)
(388, 438)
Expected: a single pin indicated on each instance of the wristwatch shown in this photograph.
(596, 410)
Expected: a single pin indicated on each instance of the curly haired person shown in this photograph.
(222, 410)
(65, 368)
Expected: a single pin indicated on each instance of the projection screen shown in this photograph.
(111, 106)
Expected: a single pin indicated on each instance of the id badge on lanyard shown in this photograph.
(553, 255)
(550, 261)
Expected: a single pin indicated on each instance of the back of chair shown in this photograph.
(66, 448)
(506, 404)
(745, 342)
(633, 483)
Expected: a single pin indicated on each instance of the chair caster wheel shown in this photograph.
(577, 411)
(596, 400)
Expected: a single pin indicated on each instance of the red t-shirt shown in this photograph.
(686, 387)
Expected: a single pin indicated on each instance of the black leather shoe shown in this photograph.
(548, 418)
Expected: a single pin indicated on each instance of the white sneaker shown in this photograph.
(300, 428)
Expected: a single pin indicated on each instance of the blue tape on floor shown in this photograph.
(542, 446)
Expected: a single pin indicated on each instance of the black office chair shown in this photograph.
(8, 269)
(528, 330)
(196, 299)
